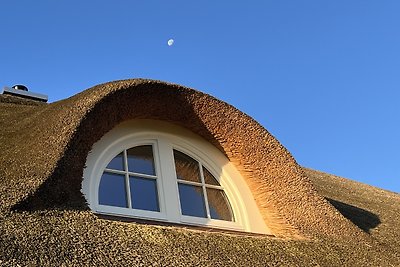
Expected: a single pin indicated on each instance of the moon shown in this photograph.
(170, 42)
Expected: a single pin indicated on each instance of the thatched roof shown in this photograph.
(45, 219)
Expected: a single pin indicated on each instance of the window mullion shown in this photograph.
(128, 188)
(170, 188)
(142, 175)
(189, 182)
(214, 186)
(204, 191)
(115, 171)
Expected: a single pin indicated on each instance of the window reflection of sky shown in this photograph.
(117, 163)
(192, 200)
(112, 190)
(144, 193)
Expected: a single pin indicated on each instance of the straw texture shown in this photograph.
(45, 219)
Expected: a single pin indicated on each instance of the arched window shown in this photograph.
(130, 180)
(200, 193)
(158, 171)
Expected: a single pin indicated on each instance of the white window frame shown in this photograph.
(106, 157)
(164, 137)
(204, 160)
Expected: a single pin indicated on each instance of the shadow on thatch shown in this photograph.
(364, 219)
(62, 189)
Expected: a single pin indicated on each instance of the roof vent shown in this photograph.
(20, 87)
(22, 91)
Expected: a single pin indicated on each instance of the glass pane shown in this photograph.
(144, 193)
(192, 200)
(112, 190)
(209, 178)
(140, 160)
(117, 163)
(219, 205)
(186, 167)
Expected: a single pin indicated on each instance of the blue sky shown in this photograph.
(322, 76)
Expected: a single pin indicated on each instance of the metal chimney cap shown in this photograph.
(22, 91)
(20, 87)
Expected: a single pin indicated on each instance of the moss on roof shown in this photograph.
(44, 219)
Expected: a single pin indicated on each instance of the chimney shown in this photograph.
(22, 91)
